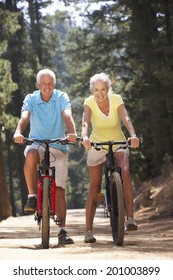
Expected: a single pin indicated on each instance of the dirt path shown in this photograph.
(20, 239)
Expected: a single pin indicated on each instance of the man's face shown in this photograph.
(46, 85)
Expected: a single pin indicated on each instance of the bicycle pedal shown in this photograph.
(99, 197)
(59, 221)
(106, 213)
(36, 216)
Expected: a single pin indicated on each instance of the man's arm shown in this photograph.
(68, 119)
(22, 124)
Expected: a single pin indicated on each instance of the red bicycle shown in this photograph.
(46, 190)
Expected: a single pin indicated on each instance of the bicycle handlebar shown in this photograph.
(122, 144)
(98, 145)
(63, 141)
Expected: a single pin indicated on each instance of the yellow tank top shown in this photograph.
(105, 128)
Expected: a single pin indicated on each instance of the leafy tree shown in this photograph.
(132, 41)
(60, 25)
(150, 57)
(7, 23)
(129, 40)
(27, 54)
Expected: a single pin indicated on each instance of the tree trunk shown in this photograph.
(5, 210)
(23, 186)
(9, 160)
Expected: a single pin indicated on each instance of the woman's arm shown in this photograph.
(129, 126)
(86, 120)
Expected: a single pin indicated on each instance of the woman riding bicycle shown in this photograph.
(105, 111)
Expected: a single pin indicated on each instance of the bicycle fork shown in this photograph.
(107, 198)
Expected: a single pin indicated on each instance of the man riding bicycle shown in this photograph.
(48, 110)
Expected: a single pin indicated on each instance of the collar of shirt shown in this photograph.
(40, 100)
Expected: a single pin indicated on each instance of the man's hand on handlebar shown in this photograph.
(18, 138)
(71, 137)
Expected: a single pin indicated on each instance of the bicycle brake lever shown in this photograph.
(97, 147)
(28, 142)
(141, 139)
(63, 141)
(124, 145)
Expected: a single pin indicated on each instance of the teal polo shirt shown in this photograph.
(46, 120)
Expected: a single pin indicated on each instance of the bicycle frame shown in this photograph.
(46, 190)
(44, 169)
(114, 190)
(110, 166)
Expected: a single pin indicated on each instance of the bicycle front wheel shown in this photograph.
(117, 208)
(45, 214)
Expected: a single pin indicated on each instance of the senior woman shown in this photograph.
(105, 111)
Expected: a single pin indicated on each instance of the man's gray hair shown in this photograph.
(45, 72)
(100, 77)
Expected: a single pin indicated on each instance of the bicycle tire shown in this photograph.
(117, 208)
(45, 214)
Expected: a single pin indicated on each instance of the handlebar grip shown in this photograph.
(27, 141)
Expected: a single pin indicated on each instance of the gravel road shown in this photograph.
(20, 239)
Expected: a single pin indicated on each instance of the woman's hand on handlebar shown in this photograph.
(134, 142)
(86, 142)
(18, 138)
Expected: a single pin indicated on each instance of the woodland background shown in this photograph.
(132, 41)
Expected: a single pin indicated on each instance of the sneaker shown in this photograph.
(31, 205)
(131, 224)
(89, 238)
(63, 238)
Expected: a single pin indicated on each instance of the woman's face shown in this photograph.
(100, 91)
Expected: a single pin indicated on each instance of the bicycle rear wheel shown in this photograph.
(45, 214)
(117, 208)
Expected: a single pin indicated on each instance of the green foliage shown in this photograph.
(166, 169)
(8, 22)
(132, 41)
(8, 26)
(6, 83)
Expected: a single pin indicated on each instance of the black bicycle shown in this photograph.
(115, 206)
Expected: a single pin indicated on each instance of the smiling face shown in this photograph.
(100, 91)
(46, 86)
